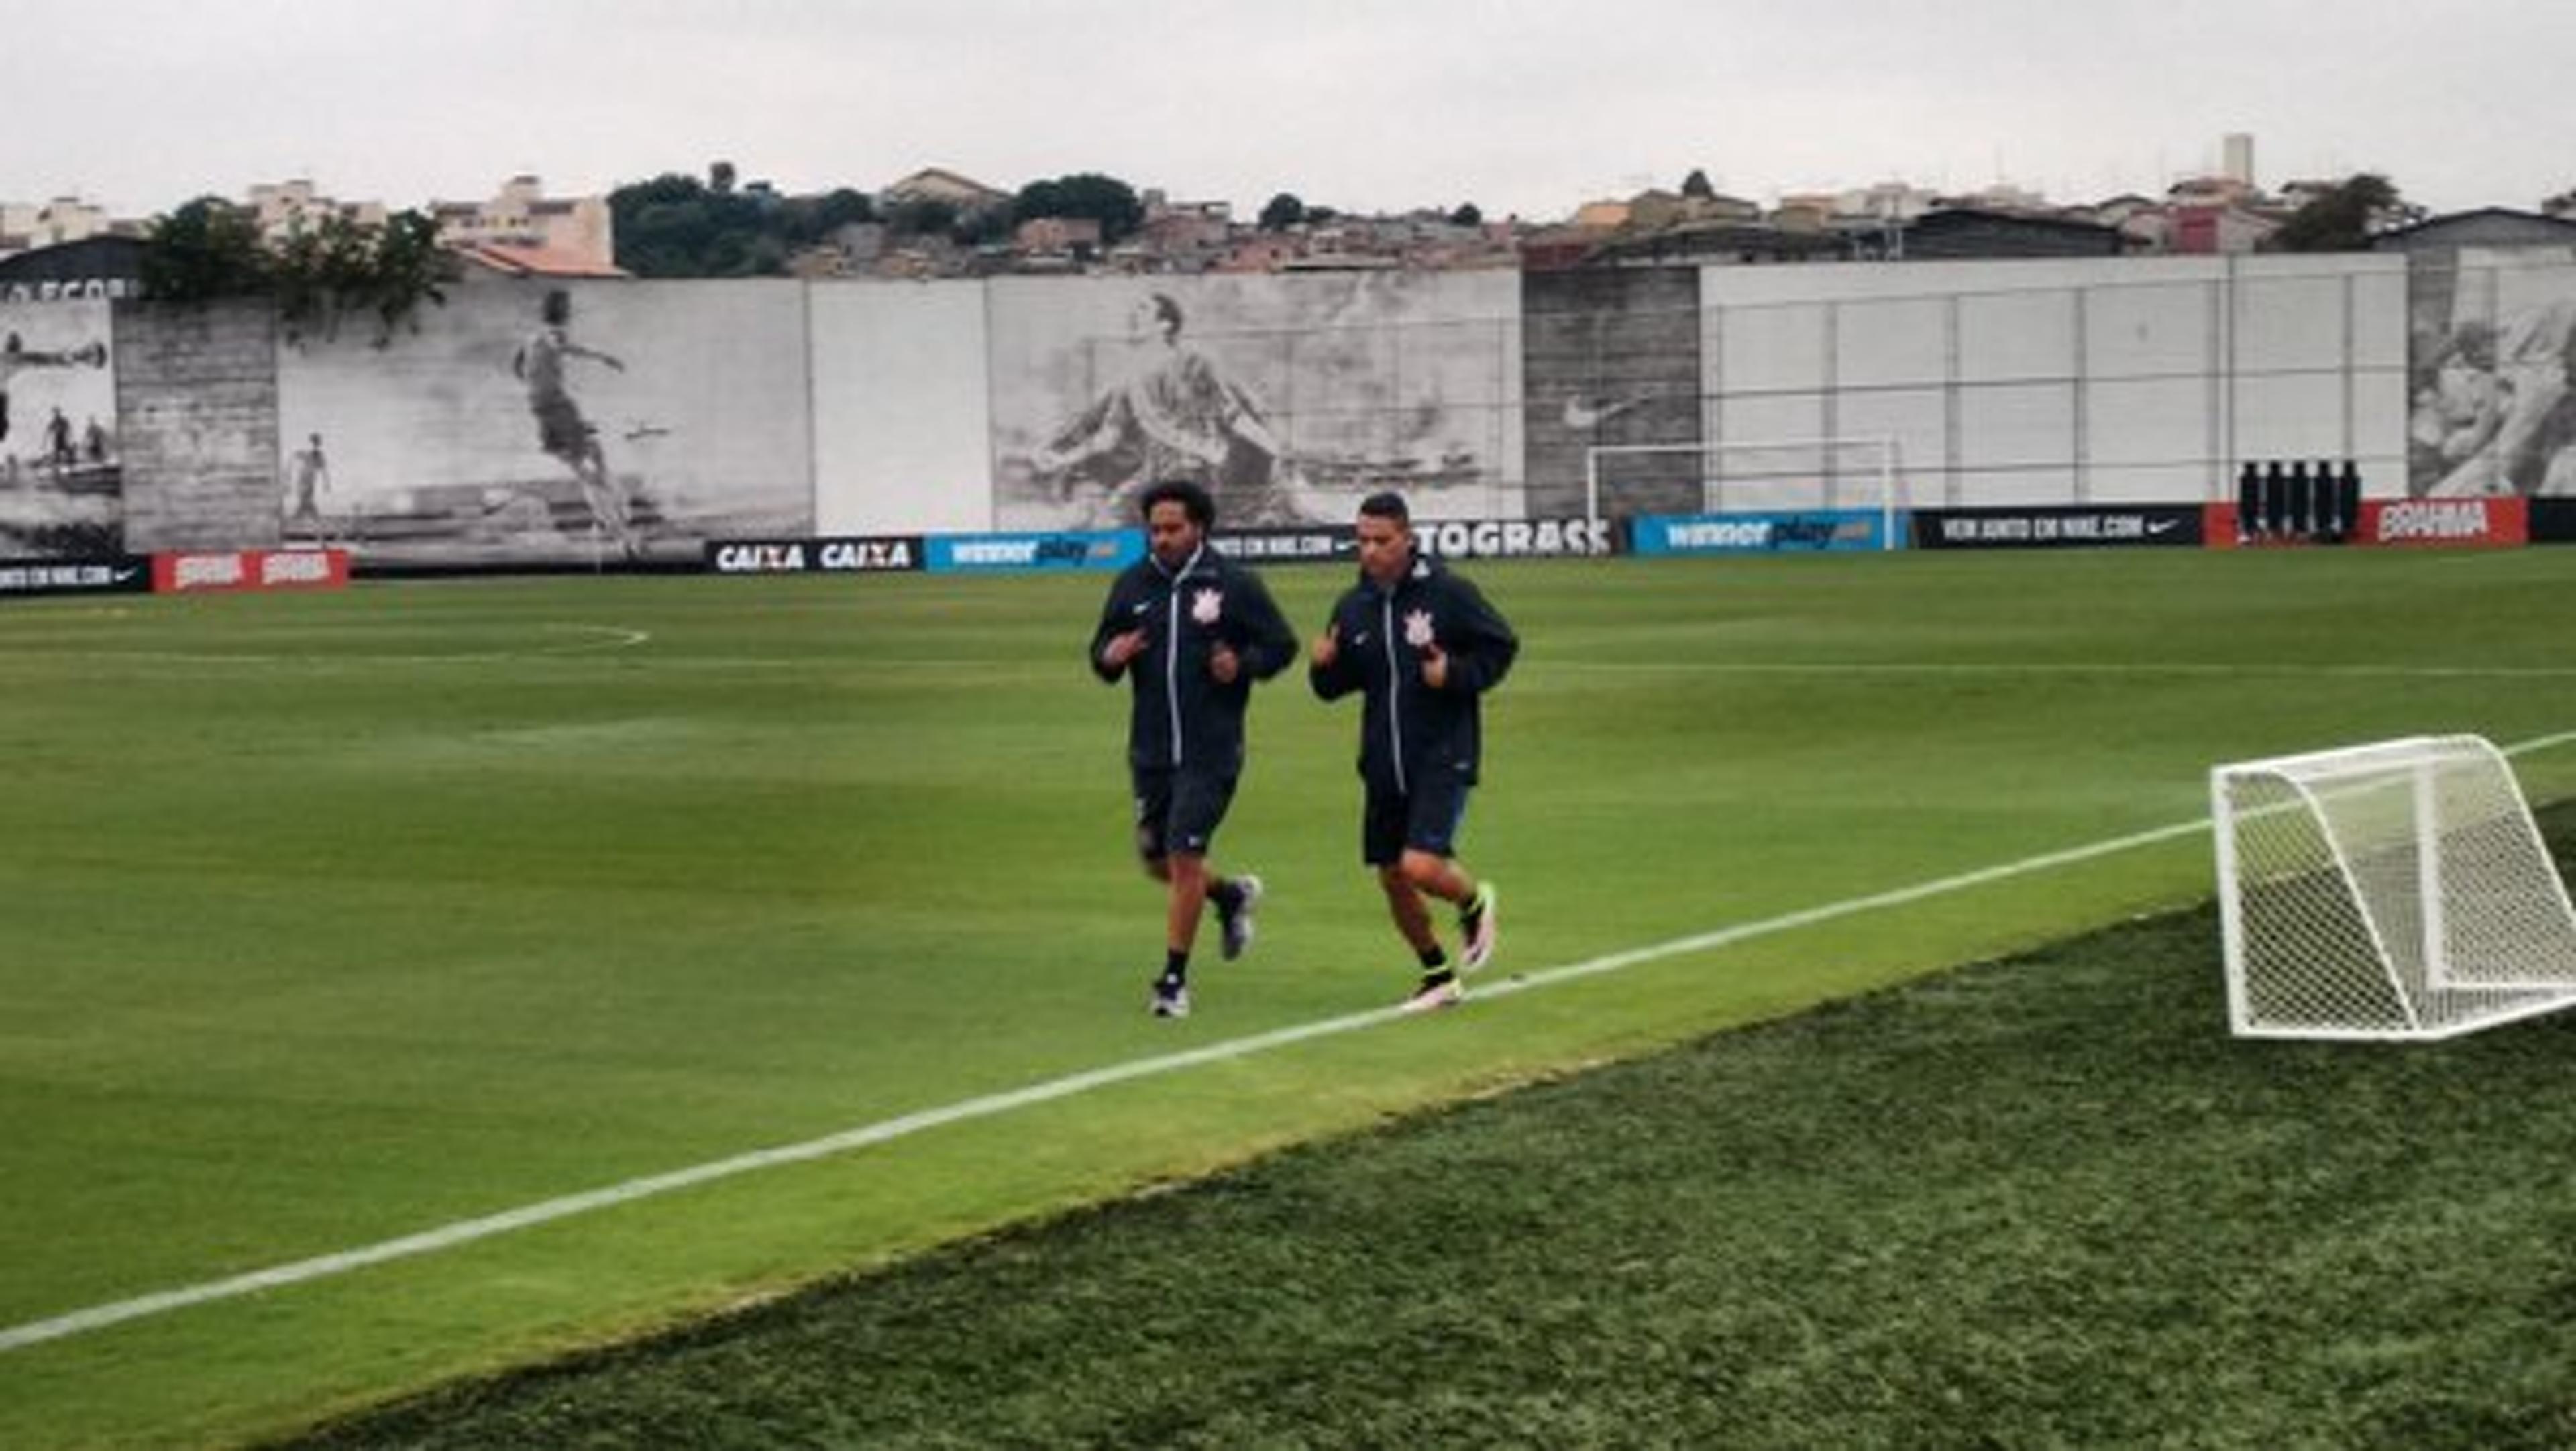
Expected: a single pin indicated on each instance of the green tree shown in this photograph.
(810, 219)
(207, 249)
(1282, 212)
(408, 266)
(922, 217)
(1103, 199)
(1468, 214)
(314, 275)
(677, 226)
(662, 225)
(976, 226)
(310, 268)
(1696, 185)
(2342, 218)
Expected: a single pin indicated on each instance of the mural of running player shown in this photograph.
(16, 356)
(308, 478)
(561, 430)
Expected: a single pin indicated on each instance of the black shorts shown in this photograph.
(1179, 811)
(561, 430)
(1425, 818)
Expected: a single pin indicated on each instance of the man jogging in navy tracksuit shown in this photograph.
(1192, 630)
(1423, 645)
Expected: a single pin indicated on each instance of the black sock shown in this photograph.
(1176, 966)
(1433, 959)
(1226, 892)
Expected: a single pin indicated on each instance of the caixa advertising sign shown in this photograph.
(1804, 531)
(836, 554)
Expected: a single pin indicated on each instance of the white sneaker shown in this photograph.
(1235, 928)
(1432, 996)
(1477, 930)
(1171, 999)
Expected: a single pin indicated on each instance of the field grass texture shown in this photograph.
(2035, 1202)
(338, 919)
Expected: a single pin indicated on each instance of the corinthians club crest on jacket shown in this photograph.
(1183, 717)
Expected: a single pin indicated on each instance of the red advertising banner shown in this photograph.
(2498, 523)
(2464, 522)
(195, 571)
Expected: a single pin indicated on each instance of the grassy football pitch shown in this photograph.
(339, 920)
(2032, 1202)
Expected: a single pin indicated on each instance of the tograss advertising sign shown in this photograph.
(1513, 538)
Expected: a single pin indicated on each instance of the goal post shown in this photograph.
(2398, 890)
(1860, 474)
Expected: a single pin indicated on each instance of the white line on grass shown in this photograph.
(469, 1230)
(2058, 667)
(596, 639)
(1019, 668)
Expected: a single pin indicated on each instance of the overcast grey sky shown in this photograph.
(1521, 106)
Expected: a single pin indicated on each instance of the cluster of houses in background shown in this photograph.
(70, 248)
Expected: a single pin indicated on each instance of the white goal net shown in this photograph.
(2394, 890)
(1622, 480)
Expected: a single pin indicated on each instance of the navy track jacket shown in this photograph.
(1406, 727)
(1182, 718)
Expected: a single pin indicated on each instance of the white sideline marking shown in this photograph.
(1018, 667)
(468, 1230)
(2058, 667)
(600, 638)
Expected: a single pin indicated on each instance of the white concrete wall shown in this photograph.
(863, 407)
(902, 412)
(2131, 380)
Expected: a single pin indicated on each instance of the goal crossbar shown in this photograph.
(1877, 472)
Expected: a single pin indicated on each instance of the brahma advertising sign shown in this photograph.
(196, 571)
(2464, 523)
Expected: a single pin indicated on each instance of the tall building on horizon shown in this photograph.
(2237, 158)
